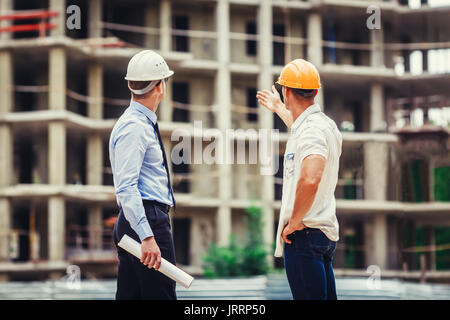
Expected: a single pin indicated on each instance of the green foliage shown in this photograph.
(234, 260)
(442, 184)
(350, 257)
(349, 189)
(254, 255)
(442, 234)
(442, 237)
(223, 261)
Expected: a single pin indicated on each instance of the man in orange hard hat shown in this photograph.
(308, 229)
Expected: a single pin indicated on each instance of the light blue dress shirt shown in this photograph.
(138, 166)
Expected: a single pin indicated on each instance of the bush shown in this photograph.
(255, 253)
(223, 261)
(233, 260)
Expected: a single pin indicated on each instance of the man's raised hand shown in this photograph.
(270, 99)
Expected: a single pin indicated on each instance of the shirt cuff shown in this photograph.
(143, 230)
(317, 152)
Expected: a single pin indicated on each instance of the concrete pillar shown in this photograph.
(95, 17)
(57, 176)
(56, 229)
(376, 158)
(265, 52)
(265, 81)
(57, 79)
(377, 50)
(289, 34)
(165, 15)
(5, 226)
(369, 242)
(168, 148)
(95, 111)
(314, 49)
(57, 130)
(95, 90)
(57, 154)
(6, 106)
(203, 184)
(6, 169)
(95, 225)
(165, 44)
(6, 147)
(6, 82)
(95, 159)
(380, 236)
(196, 241)
(241, 190)
(377, 110)
(314, 35)
(60, 20)
(5, 7)
(394, 239)
(151, 20)
(223, 118)
(165, 108)
(430, 240)
(95, 152)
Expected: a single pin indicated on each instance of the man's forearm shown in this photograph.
(304, 198)
(285, 115)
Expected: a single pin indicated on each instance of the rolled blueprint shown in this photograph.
(169, 270)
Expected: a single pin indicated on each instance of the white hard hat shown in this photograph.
(147, 65)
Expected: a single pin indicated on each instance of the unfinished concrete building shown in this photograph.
(62, 89)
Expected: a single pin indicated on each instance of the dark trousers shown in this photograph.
(308, 263)
(135, 280)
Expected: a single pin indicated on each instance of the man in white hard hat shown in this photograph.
(142, 183)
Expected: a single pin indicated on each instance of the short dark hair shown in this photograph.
(138, 85)
(305, 93)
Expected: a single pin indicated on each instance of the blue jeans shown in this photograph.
(308, 263)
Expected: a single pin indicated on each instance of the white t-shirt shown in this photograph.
(312, 133)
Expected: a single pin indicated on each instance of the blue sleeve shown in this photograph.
(129, 150)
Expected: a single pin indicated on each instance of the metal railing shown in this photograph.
(89, 243)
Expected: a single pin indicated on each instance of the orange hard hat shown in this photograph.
(300, 74)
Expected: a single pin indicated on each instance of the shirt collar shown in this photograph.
(146, 111)
(310, 110)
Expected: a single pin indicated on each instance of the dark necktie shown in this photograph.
(165, 163)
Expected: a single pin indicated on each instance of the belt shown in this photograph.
(163, 206)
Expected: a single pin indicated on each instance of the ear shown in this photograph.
(316, 92)
(160, 87)
(286, 89)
